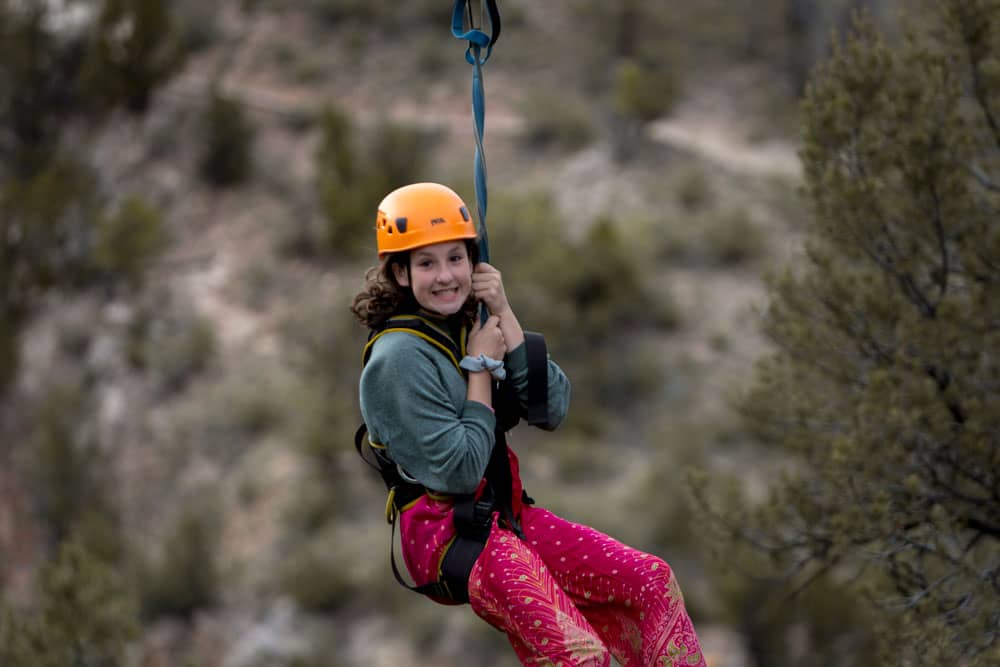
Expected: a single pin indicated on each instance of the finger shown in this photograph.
(485, 279)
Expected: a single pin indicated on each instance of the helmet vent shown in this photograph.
(465, 213)
(401, 225)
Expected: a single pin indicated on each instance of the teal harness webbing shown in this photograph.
(475, 56)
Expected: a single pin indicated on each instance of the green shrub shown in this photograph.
(68, 469)
(318, 575)
(133, 49)
(324, 343)
(730, 237)
(39, 84)
(591, 298)
(693, 189)
(10, 345)
(644, 93)
(227, 417)
(84, 615)
(227, 144)
(128, 240)
(176, 348)
(48, 221)
(197, 26)
(787, 627)
(555, 121)
(184, 577)
(344, 198)
(353, 175)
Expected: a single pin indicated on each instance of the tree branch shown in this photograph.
(983, 179)
(979, 91)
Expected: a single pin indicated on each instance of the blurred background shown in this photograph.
(187, 204)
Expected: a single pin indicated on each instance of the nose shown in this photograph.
(444, 273)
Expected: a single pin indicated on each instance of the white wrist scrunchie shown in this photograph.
(484, 363)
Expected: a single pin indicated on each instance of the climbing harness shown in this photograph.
(502, 491)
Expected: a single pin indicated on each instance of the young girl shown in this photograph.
(564, 593)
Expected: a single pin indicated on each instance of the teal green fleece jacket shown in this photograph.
(413, 402)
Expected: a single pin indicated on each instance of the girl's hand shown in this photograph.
(487, 286)
(486, 338)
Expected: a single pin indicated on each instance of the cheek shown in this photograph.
(402, 275)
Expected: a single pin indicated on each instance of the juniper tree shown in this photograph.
(83, 615)
(50, 197)
(133, 49)
(883, 392)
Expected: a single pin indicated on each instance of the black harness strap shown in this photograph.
(538, 378)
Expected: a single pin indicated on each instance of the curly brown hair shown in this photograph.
(382, 297)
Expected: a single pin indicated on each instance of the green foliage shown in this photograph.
(38, 80)
(184, 577)
(553, 121)
(133, 49)
(84, 616)
(883, 394)
(825, 625)
(46, 223)
(592, 297)
(68, 471)
(353, 176)
(173, 347)
(46, 220)
(643, 93)
(196, 25)
(128, 240)
(317, 578)
(227, 148)
(730, 237)
(693, 189)
(325, 344)
(224, 418)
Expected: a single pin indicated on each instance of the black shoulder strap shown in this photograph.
(422, 328)
(538, 378)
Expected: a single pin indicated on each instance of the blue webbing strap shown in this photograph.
(478, 40)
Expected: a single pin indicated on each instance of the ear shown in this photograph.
(402, 274)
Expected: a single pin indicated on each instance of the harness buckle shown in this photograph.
(390, 506)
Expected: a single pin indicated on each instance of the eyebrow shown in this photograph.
(420, 253)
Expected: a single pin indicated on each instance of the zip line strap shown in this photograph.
(479, 164)
(474, 36)
(478, 40)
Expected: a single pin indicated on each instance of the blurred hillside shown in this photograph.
(194, 384)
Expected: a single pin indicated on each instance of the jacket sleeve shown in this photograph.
(409, 406)
(516, 363)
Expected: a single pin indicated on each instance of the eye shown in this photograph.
(457, 258)
(424, 263)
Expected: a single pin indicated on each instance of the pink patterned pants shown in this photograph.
(570, 595)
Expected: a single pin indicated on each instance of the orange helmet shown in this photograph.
(421, 214)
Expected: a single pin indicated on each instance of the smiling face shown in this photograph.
(440, 276)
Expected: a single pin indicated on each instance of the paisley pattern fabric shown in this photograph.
(567, 594)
